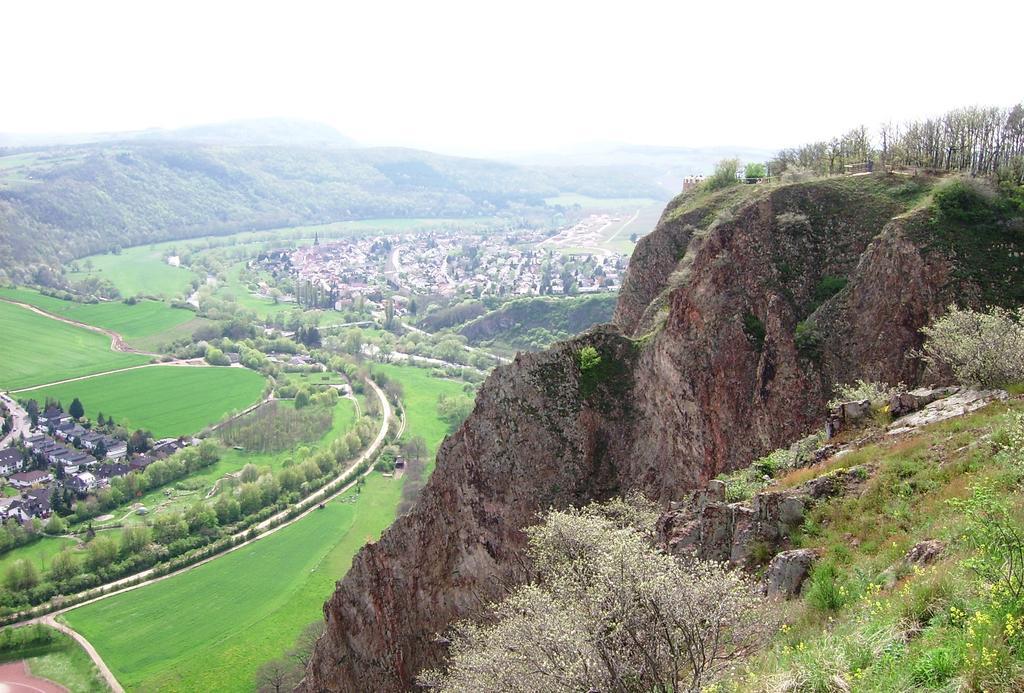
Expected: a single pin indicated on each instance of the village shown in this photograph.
(60, 460)
(361, 272)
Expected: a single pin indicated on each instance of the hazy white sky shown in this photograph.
(486, 77)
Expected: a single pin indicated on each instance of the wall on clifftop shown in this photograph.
(739, 314)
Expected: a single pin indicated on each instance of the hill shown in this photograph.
(739, 315)
(60, 203)
(534, 323)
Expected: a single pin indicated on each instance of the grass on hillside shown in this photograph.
(211, 628)
(144, 319)
(869, 622)
(39, 350)
(52, 655)
(167, 400)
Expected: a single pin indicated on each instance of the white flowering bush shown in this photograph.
(607, 612)
(979, 349)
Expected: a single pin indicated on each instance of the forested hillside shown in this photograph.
(60, 203)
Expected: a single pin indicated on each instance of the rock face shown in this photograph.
(742, 534)
(701, 373)
(786, 573)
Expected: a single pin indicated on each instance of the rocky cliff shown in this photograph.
(738, 315)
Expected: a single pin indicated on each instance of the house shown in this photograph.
(53, 416)
(116, 449)
(37, 503)
(139, 463)
(37, 439)
(82, 483)
(91, 439)
(105, 472)
(30, 479)
(10, 461)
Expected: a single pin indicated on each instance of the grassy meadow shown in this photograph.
(211, 628)
(144, 319)
(39, 350)
(40, 552)
(167, 400)
(142, 270)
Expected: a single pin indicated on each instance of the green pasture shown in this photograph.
(144, 319)
(39, 350)
(212, 627)
(170, 401)
(138, 270)
(39, 553)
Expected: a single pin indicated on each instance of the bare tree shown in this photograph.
(277, 675)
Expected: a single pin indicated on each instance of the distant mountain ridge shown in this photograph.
(244, 132)
(61, 203)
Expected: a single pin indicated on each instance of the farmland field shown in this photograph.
(236, 290)
(40, 350)
(210, 629)
(167, 400)
(142, 270)
(143, 319)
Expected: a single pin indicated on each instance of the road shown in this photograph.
(323, 496)
(21, 421)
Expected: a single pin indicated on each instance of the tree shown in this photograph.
(277, 675)
(55, 525)
(754, 171)
(21, 575)
(609, 608)
(32, 409)
(63, 566)
(303, 650)
(76, 410)
(415, 447)
(101, 420)
(724, 175)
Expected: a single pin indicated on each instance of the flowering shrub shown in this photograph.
(983, 349)
(608, 612)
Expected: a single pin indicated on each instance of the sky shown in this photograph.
(496, 78)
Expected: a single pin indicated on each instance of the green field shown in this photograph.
(39, 350)
(211, 628)
(420, 399)
(62, 661)
(235, 290)
(167, 400)
(142, 270)
(144, 319)
(39, 553)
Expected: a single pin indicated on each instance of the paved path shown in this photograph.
(87, 646)
(322, 496)
(20, 418)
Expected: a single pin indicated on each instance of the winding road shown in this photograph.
(322, 496)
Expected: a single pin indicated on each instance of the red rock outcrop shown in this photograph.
(702, 372)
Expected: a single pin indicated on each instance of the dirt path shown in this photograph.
(117, 342)
(190, 363)
(108, 675)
